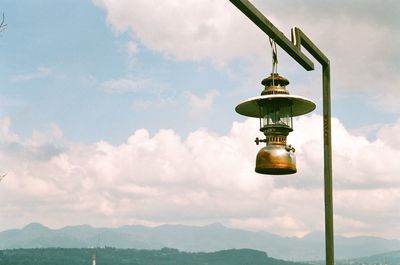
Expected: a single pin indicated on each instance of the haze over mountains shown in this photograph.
(207, 238)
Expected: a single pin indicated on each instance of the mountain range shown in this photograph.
(209, 238)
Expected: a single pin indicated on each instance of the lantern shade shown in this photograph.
(251, 106)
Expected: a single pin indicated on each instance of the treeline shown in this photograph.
(113, 256)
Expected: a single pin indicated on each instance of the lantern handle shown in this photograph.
(274, 59)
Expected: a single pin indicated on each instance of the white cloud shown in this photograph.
(360, 39)
(123, 85)
(389, 135)
(201, 104)
(132, 48)
(40, 72)
(186, 30)
(153, 103)
(203, 178)
(6, 134)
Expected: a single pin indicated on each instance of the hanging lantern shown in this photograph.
(275, 108)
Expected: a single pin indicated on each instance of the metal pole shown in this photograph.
(300, 39)
(326, 98)
(293, 48)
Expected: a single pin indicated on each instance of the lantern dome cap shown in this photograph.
(275, 78)
(251, 107)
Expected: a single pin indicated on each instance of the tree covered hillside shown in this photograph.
(165, 256)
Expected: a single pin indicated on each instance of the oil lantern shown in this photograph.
(275, 108)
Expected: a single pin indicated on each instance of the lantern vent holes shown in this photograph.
(276, 140)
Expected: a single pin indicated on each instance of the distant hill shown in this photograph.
(208, 238)
(165, 256)
(389, 258)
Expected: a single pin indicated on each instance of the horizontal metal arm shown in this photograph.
(300, 39)
(265, 25)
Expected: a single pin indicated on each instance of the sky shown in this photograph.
(122, 112)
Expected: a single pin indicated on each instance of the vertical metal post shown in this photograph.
(293, 48)
(300, 39)
(326, 98)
